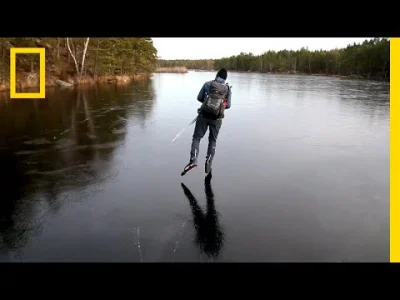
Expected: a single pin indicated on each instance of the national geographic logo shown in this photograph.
(42, 73)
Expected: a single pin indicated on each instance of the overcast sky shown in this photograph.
(200, 48)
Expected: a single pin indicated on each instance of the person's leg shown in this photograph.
(215, 126)
(199, 132)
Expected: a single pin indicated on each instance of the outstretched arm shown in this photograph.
(228, 99)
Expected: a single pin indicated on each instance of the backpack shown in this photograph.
(213, 105)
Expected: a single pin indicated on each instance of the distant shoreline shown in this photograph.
(30, 80)
(367, 60)
(182, 70)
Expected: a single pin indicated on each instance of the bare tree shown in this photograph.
(79, 72)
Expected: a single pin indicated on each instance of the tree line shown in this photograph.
(81, 57)
(370, 59)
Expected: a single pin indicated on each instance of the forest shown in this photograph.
(76, 60)
(370, 59)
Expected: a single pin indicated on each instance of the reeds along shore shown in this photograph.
(172, 70)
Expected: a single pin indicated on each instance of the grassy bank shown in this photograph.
(171, 70)
(79, 61)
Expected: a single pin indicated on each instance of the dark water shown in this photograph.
(301, 173)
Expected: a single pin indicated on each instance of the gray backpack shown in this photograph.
(213, 105)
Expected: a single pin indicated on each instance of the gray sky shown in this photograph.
(200, 48)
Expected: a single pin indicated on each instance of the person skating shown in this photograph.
(215, 96)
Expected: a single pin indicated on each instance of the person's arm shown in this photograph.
(228, 99)
(202, 93)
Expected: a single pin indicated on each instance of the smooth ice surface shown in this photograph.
(301, 173)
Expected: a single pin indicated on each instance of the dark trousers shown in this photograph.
(202, 124)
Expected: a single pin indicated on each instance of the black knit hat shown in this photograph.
(222, 73)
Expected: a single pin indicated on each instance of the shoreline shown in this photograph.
(31, 80)
(67, 59)
(176, 70)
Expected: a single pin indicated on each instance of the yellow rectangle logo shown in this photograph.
(13, 75)
(394, 150)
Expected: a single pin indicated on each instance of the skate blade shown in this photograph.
(187, 169)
